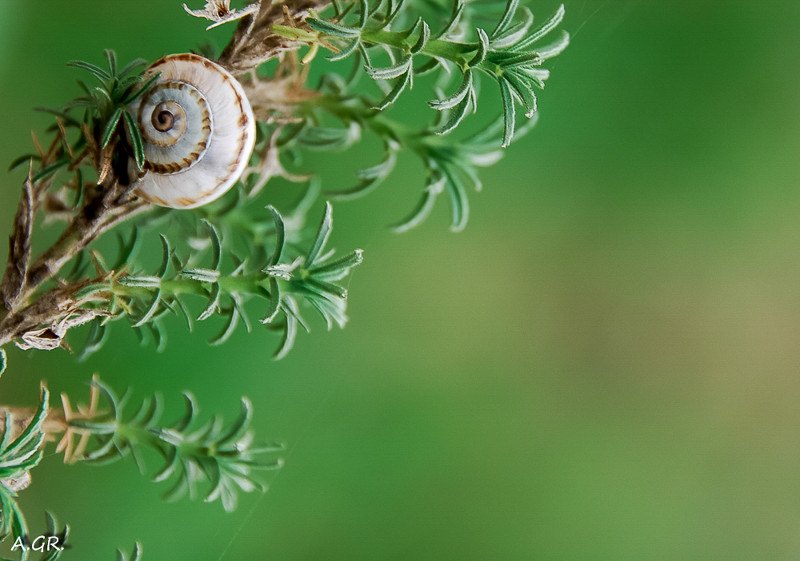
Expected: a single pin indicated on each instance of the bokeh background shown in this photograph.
(604, 365)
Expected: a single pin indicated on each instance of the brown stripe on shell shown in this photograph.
(190, 57)
(171, 167)
(194, 156)
(185, 201)
(243, 120)
(155, 199)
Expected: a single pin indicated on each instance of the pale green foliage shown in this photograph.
(282, 276)
(18, 456)
(507, 54)
(511, 55)
(105, 112)
(224, 458)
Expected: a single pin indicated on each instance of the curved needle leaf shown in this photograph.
(346, 51)
(406, 81)
(456, 116)
(213, 303)
(280, 236)
(334, 29)
(424, 36)
(230, 326)
(240, 425)
(191, 408)
(274, 301)
(111, 57)
(483, 48)
(216, 245)
(505, 20)
(136, 138)
(363, 14)
(508, 112)
(549, 26)
(390, 72)
(151, 310)
(165, 258)
(455, 99)
(322, 236)
(423, 208)
(96, 71)
(111, 126)
(455, 18)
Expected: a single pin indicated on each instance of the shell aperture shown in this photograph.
(198, 132)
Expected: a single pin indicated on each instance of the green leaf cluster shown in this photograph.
(106, 117)
(225, 458)
(509, 53)
(18, 456)
(107, 103)
(283, 278)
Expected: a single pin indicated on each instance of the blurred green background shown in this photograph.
(604, 365)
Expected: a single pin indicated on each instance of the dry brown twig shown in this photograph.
(254, 42)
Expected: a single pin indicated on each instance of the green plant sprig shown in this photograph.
(224, 458)
(282, 278)
(106, 119)
(107, 104)
(506, 55)
(451, 165)
(18, 456)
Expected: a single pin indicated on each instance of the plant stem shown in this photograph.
(105, 210)
(450, 50)
(80, 233)
(53, 424)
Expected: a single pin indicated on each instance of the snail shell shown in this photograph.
(198, 132)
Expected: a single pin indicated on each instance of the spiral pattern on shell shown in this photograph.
(198, 132)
